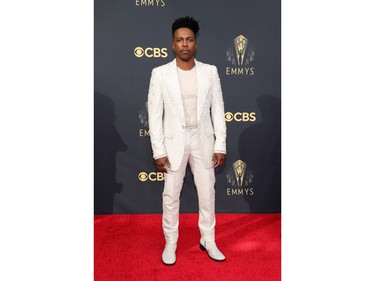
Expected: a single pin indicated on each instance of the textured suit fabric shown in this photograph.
(166, 114)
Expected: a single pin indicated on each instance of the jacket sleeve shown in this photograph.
(217, 112)
(155, 116)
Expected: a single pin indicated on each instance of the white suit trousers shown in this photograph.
(204, 180)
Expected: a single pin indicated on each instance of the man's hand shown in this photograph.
(218, 159)
(162, 164)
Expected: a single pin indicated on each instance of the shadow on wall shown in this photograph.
(260, 148)
(107, 142)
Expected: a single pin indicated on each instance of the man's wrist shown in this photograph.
(161, 156)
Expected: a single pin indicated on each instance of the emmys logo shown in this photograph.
(240, 56)
(158, 3)
(240, 116)
(153, 176)
(239, 177)
(143, 119)
(149, 52)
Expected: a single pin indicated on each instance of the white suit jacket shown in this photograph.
(167, 117)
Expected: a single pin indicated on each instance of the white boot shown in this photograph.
(169, 254)
(211, 248)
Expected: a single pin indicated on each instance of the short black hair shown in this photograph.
(188, 22)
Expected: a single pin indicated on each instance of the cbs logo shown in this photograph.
(240, 116)
(153, 176)
(150, 52)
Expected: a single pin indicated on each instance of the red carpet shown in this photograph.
(129, 247)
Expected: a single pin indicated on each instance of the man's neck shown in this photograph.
(185, 65)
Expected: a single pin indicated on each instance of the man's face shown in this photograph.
(184, 44)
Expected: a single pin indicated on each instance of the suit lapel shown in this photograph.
(173, 85)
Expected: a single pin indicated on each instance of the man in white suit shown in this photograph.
(187, 124)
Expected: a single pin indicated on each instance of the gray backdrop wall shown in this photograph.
(243, 39)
